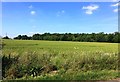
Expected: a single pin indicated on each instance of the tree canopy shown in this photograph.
(82, 37)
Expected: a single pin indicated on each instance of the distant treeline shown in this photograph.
(82, 37)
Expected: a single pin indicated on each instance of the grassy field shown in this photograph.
(59, 60)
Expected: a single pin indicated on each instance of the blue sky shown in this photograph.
(58, 17)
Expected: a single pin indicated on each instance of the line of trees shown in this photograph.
(82, 37)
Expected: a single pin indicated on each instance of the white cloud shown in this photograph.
(89, 9)
(62, 11)
(30, 7)
(115, 0)
(89, 12)
(59, 13)
(31, 33)
(115, 10)
(33, 12)
(115, 5)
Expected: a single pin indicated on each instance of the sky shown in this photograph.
(19, 18)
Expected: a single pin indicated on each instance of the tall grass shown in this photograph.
(59, 60)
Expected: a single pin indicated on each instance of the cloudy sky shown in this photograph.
(61, 17)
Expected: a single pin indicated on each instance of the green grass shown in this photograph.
(73, 60)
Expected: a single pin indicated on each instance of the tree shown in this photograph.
(36, 37)
(83, 37)
(22, 37)
(6, 37)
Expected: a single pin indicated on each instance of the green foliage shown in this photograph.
(6, 37)
(94, 37)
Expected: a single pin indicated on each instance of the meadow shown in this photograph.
(59, 60)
